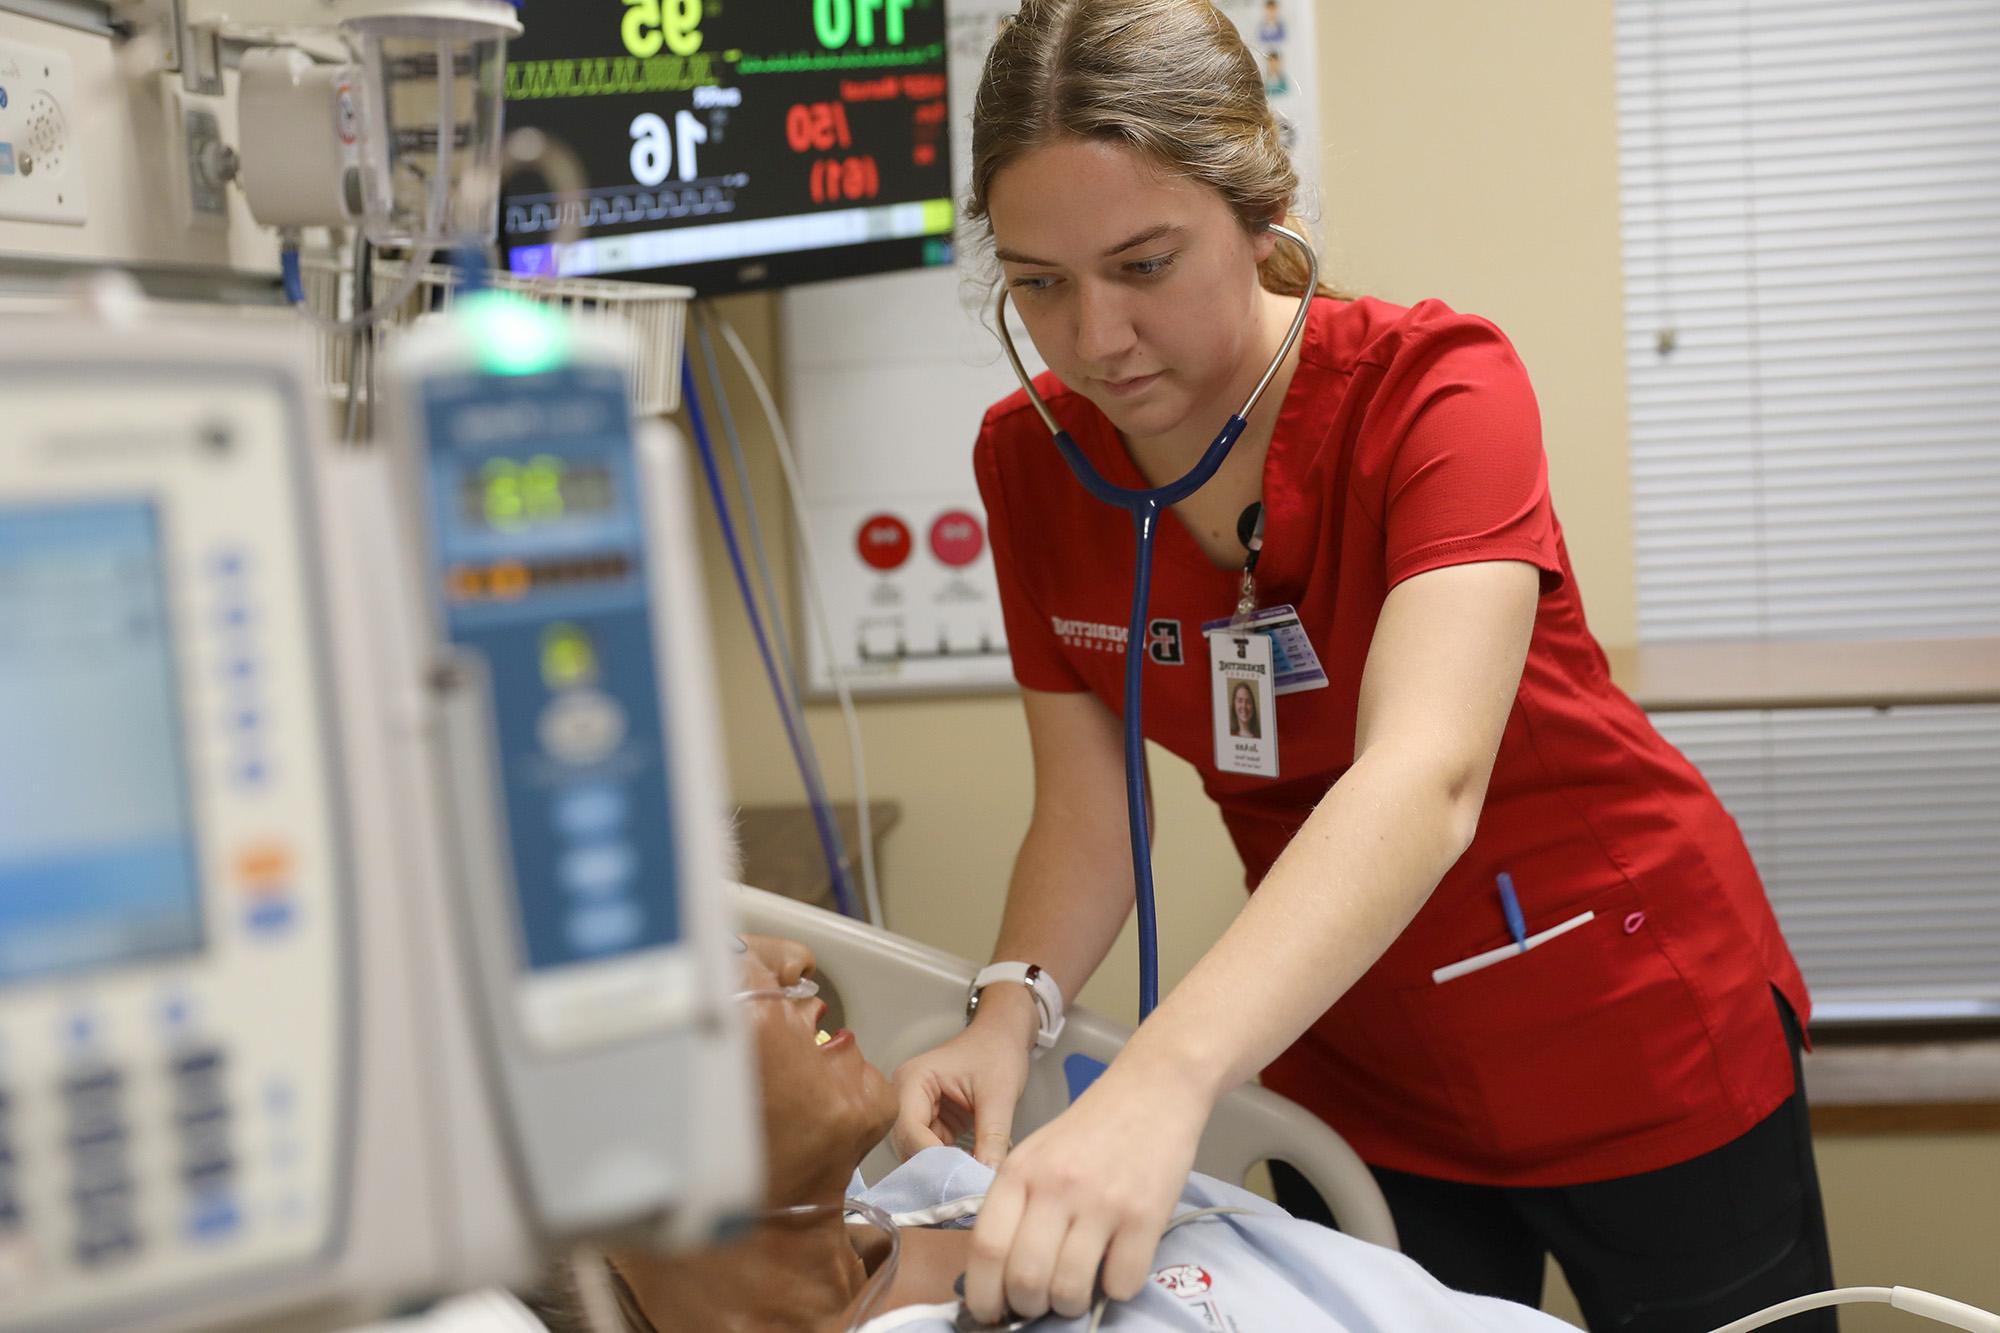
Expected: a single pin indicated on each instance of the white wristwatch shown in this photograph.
(1048, 996)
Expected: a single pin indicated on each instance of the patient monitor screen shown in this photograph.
(97, 851)
(733, 145)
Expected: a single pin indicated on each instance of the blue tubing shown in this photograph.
(288, 267)
(815, 781)
(843, 895)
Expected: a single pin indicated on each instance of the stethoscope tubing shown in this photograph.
(1145, 506)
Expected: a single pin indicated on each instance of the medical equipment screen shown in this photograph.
(97, 846)
(540, 559)
(731, 145)
(515, 493)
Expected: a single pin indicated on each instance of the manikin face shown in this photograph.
(1138, 288)
(824, 1105)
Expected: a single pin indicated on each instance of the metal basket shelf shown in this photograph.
(653, 318)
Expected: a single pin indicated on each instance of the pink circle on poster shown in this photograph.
(957, 538)
(884, 542)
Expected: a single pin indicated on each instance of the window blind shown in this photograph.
(1810, 198)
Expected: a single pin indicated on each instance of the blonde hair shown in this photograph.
(1170, 78)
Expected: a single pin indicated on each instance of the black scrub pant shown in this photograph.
(1684, 1249)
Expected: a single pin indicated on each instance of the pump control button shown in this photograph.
(582, 727)
(201, 1061)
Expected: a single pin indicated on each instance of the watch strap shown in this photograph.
(1048, 996)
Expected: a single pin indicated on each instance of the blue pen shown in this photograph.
(1511, 905)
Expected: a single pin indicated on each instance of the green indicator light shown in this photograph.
(569, 658)
(513, 336)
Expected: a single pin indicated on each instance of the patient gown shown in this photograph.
(1228, 1274)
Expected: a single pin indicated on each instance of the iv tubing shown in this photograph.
(871, 888)
(1939, 1308)
(843, 895)
(814, 775)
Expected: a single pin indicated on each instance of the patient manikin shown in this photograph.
(825, 1107)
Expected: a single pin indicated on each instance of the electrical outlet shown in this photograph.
(41, 167)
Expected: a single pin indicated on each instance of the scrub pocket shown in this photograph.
(1585, 1041)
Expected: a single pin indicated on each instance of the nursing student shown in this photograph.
(1624, 1095)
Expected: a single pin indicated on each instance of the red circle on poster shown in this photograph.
(957, 538)
(884, 542)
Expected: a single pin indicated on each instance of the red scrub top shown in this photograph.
(1409, 440)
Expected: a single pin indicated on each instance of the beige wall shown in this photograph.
(1472, 156)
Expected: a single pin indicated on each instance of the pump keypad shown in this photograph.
(208, 1160)
(102, 1190)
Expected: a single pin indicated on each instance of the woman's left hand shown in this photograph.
(1096, 1185)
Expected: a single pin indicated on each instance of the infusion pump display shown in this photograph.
(734, 144)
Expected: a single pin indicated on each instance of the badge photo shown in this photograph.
(1245, 703)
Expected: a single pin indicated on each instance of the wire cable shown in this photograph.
(843, 894)
(288, 266)
(604, 1312)
(815, 776)
(878, 1285)
(816, 600)
(1909, 1299)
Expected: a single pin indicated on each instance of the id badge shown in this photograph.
(1294, 664)
(1245, 702)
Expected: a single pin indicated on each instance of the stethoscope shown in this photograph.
(1145, 507)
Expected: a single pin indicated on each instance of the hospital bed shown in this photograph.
(900, 998)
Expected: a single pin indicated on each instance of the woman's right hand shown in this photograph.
(971, 1082)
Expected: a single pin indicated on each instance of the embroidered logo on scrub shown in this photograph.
(1163, 637)
(1186, 1281)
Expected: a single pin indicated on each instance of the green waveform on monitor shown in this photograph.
(606, 76)
(793, 62)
